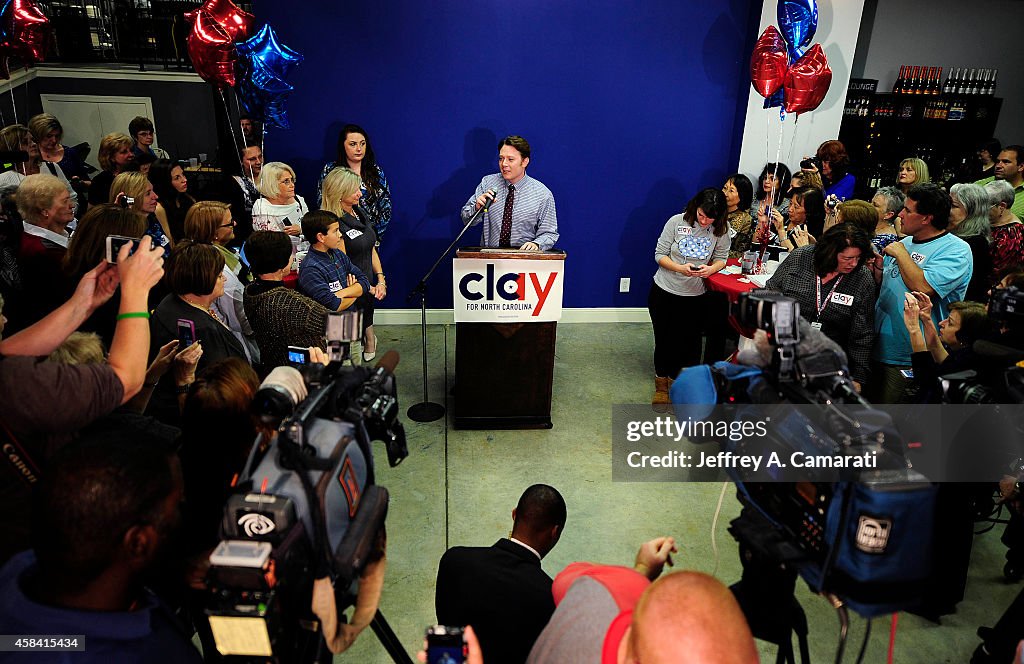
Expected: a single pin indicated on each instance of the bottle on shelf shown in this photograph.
(992, 82)
(915, 83)
(897, 86)
(964, 85)
(975, 81)
(937, 81)
(947, 88)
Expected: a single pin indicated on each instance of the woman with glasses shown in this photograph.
(835, 290)
(280, 209)
(210, 222)
(968, 220)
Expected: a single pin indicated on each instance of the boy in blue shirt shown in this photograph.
(327, 275)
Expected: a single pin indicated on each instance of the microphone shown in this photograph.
(489, 194)
(489, 197)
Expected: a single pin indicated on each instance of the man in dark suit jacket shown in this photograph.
(501, 590)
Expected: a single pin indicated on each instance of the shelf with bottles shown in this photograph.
(953, 107)
(916, 81)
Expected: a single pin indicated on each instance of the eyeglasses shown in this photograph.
(228, 225)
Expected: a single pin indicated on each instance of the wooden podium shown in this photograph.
(504, 361)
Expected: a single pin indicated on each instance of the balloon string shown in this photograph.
(14, 109)
(767, 134)
(792, 143)
(231, 128)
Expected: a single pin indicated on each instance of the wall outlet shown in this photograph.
(624, 285)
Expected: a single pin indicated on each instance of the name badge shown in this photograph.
(917, 258)
(683, 230)
(353, 233)
(334, 286)
(816, 325)
(842, 298)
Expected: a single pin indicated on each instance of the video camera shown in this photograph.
(999, 378)
(863, 534)
(306, 506)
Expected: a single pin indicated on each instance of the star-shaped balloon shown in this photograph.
(264, 47)
(229, 16)
(212, 50)
(263, 96)
(798, 21)
(807, 81)
(263, 63)
(25, 33)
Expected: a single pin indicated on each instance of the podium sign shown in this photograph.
(507, 290)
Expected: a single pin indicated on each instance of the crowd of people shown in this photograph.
(149, 310)
(874, 275)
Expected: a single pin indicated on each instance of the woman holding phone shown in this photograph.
(280, 209)
(693, 246)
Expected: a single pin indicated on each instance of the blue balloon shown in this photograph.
(263, 95)
(264, 47)
(263, 63)
(798, 21)
(776, 99)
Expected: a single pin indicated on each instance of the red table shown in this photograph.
(732, 285)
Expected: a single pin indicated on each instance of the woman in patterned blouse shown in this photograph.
(1007, 230)
(738, 194)
(356, 153)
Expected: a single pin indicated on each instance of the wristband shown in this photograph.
(133, 314)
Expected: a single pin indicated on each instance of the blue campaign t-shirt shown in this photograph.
(947, 264)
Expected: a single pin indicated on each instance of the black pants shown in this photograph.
(679, 323)
(366, 303)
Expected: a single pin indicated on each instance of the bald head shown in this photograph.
(689, 617)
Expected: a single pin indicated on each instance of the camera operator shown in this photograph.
(33, 428)
(104, 517)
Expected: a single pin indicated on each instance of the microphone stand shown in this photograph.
(426, 410)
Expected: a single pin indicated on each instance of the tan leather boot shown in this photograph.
(661, 386)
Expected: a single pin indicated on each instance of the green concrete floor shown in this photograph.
(459, 488)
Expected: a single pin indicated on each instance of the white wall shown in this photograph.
(838, 26)
(952, 33)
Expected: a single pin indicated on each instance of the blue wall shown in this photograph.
(629, 108)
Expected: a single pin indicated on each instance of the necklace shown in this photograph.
(209, 310)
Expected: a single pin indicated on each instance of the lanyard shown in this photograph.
(817, 283)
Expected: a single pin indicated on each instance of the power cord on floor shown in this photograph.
(864, 643)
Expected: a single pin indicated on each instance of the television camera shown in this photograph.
(307, 516)
(859, 535)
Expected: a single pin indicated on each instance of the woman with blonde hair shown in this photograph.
(19, 138)
(912, 171)
(341, 195)
(280, 208)
(114, 155)
(210, 222)
(87, 249)
(48, 133)
(137, 187)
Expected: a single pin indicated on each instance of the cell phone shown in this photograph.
(286, 222)
(126, 201)
(445, 645)
(186, 333)
(298, 355)
(114, 244)
(907, 373)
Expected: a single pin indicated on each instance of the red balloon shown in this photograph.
(231, 19)
(768, 63)
(807, 81)
(27, 33)
(212, 51)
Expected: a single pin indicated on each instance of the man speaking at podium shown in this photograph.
(521, 214)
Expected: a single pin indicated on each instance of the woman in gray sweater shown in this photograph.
(693, 246)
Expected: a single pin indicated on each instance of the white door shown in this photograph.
(88, 118)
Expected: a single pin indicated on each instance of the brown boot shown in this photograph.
(661, 386)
